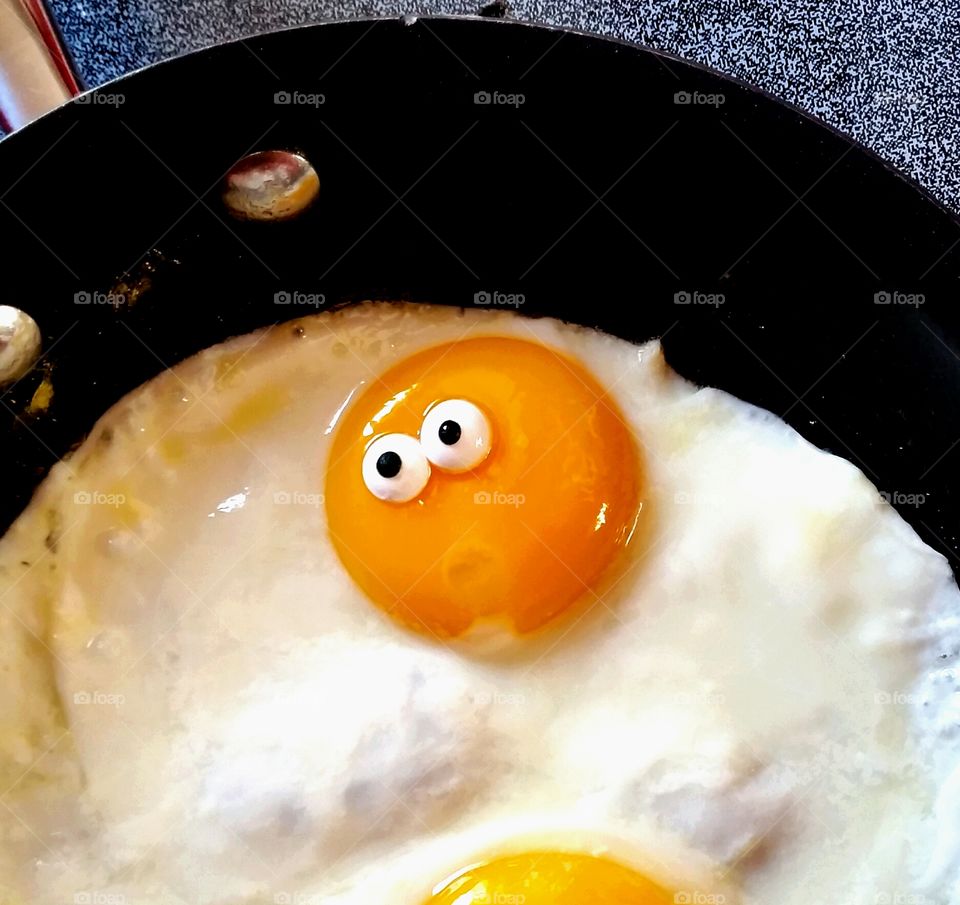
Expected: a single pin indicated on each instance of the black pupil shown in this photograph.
(388, 465)
(449, 432)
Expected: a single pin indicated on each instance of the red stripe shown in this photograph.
(41, 18)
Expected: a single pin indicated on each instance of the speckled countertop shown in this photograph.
(883, 71)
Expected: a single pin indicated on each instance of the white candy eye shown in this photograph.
(456, 435)
(395, 468)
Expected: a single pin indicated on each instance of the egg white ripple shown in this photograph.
(201, 707)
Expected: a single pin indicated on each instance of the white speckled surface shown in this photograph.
(883, 72)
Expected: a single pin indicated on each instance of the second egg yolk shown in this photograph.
(550, 878)
(533, 523)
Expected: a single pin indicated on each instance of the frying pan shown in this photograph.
(602, 183)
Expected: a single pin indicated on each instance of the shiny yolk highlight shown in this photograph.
(521, 537)
(550, 878)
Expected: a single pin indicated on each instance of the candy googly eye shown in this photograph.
(395, 468)
(456, 435)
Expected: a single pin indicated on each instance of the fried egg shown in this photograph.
(424, 606)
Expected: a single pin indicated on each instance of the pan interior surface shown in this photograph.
(485, 163)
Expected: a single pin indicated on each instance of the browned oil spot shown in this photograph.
(43, 394)
(53, 530)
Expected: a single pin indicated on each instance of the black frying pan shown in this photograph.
(625, 182)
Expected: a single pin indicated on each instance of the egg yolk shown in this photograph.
(549, 878)
(518, 537)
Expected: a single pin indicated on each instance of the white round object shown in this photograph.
(20, 343)
(408, 481)
(472, 445)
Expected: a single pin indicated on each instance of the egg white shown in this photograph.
(200, 706)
